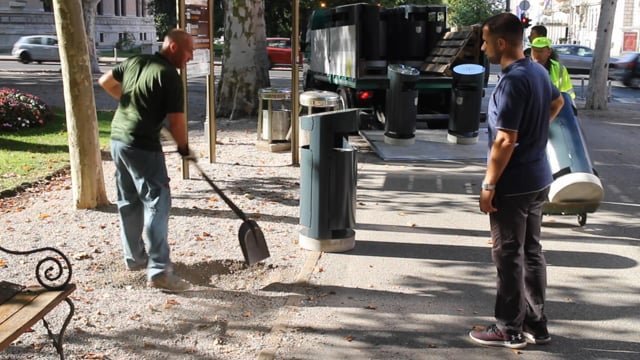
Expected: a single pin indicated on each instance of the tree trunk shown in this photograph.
(80, 108)
(245, 66)
(597, 96)
(89, 8)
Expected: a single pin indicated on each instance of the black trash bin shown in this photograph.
(328, 176)
(466, 99)
(401, 105)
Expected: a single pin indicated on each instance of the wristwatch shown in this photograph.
(488, 187)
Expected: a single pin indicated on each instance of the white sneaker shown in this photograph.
(169, 282)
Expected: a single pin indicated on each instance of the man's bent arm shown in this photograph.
(110, 85)
(556, 106)
(178, 129)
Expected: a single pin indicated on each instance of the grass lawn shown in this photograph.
(32, 154)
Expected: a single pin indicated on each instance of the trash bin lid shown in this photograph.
(320, 98)
(469, 69)
(403, 69)
(274, 94)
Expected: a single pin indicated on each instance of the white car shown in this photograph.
(37, 48)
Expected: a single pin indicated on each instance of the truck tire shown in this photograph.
(346, 94)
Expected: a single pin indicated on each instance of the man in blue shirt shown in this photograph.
(516, 185)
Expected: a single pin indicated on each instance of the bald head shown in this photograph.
(177, 47)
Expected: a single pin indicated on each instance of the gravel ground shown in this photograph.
(226, 316)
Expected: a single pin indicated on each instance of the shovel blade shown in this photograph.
(252, 242)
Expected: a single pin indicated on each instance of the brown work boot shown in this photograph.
(169, 282)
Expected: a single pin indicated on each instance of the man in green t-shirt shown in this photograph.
(148, 89)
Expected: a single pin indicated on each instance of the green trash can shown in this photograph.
(328, 177)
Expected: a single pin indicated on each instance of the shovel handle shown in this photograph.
(224, 197)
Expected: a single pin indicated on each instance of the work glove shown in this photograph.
(187, 154)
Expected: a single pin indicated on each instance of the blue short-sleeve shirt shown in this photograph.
(521, 102)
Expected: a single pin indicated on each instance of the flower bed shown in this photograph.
(19, 110)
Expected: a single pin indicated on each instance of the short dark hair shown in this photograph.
(540, 30)
(506, 26)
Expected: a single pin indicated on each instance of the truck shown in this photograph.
(351, 47)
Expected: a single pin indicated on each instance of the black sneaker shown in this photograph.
(536, 334)
(492, 336)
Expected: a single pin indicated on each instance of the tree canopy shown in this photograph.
(469, 12)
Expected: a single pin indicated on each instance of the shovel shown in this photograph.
(252, 241)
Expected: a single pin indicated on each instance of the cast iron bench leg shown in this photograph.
(57, 340)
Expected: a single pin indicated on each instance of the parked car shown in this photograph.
(576, 58)
(279, 52)
(627, 69)
(37, 48)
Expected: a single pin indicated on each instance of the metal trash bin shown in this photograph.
(328, 166)
(274, 121)
(401, 105)
(466, 99)
(317, 101)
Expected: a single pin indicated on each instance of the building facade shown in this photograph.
(576, 22)
(115, 20)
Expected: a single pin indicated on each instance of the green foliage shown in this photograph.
(19, 111)
(469, 12)
(126, 42)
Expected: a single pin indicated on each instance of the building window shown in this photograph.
(100, 10)
(101, 37)
(145, 36)
(123, 7)
(116, 7)
(47, 6)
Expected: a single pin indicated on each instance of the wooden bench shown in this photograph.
(22, 307)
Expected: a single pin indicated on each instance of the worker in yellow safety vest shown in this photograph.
(541, 53)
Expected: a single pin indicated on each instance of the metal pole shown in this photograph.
(295, 49)
(507, 7)
(211, 85)
(182, 22)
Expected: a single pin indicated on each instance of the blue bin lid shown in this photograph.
(469, 69)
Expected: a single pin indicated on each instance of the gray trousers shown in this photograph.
(144, 201)
(517, 254)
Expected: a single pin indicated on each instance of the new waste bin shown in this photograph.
(401, 105)
(466, 99)
(328, 176)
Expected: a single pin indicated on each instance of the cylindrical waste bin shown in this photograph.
(401, 105)
(576, 187)
(274, 121)
(328, 175)
(466, 99)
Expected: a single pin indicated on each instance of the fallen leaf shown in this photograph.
(43, 216)
(199, 238)
(432, 346)
(94, 356)
(247, 313)
(135, 317)
(82, 256)
(371, 307)
(170, 303)
(148, 345)
(3, 264)
(349, 338)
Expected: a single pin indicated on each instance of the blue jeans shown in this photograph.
(144, 201)
(517, 254)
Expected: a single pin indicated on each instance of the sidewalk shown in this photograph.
(421, 275)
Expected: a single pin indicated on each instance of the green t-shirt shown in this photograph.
(151, 88)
